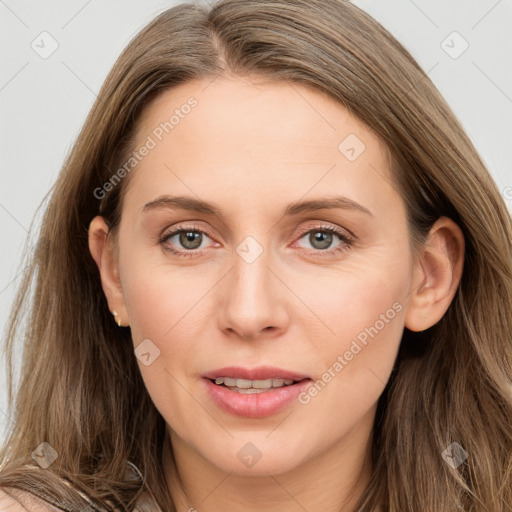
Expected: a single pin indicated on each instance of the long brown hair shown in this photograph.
(81, 390)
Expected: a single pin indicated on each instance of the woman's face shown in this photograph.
(293, 264)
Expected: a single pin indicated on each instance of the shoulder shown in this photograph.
(14, 500)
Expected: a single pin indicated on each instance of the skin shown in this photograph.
(253, 148)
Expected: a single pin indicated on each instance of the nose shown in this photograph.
(253, 303)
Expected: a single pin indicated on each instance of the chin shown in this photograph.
(259, 457)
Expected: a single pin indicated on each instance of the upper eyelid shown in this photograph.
(192, 227)
(341, 231)
(176, 229)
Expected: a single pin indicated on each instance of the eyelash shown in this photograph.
(347, 239)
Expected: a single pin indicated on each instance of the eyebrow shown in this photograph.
(200, 206)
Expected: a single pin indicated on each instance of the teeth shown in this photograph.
(258, 384)
(229, 382)
(252, 385)
(246, 384)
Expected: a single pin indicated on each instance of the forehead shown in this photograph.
(247, 134)
(278, 112)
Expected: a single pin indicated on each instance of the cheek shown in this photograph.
(171, 307)
(159, 296)
(164, 307)
(366, 323)
(362, 310)
(152, 304)
(363, 301)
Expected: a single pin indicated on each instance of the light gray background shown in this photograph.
(43, 102)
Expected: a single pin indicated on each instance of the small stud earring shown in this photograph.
(117, 320)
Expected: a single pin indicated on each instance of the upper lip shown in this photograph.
(259, 373)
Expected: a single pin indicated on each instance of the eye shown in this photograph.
(188, 241)
(184, 240)
(322, 238)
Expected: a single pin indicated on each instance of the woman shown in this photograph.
(272, 265)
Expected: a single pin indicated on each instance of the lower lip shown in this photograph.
(255, 405)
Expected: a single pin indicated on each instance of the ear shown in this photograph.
(436, 275)
(103, 251)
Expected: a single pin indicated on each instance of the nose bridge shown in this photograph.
(253, 301)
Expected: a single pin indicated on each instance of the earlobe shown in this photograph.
(436, 275)
(102, 249)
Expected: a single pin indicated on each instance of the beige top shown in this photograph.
(15, 500)
(22, 501)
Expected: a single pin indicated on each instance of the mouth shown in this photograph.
(253, 386)
(254, 393)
